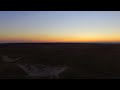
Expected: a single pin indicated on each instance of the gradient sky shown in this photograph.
(59, 26)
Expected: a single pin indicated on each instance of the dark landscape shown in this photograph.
(85, 60)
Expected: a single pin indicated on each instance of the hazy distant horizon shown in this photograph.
(60, 42)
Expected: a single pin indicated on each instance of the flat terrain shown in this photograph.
(86, 61)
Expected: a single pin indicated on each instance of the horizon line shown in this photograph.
(58, 42)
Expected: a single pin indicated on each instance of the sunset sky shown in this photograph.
(59, 26)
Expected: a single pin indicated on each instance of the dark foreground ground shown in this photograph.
(86, 61)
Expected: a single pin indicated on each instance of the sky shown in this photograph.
(59, 26)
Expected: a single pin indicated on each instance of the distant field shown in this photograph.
(86, 61)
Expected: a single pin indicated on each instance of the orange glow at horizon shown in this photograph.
(60, 39)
